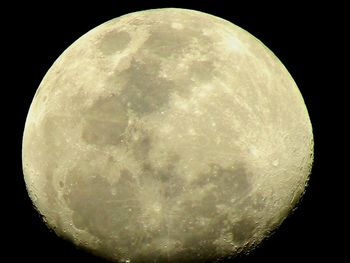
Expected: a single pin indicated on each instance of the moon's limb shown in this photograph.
(167, 134)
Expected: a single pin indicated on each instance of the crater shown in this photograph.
(114, 41)
(104, 122)
(243, 230)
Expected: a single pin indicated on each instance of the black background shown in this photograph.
(301, 36)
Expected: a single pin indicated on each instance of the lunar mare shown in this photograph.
(166, 135)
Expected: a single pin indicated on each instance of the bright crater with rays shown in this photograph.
(167, 135)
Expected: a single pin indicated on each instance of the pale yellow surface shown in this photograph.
(166, 135)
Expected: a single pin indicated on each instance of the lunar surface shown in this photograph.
(167, 135)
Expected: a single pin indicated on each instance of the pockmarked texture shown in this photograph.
(167, 135)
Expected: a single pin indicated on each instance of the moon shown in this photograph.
(167, 135)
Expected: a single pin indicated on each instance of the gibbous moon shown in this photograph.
(167, 135)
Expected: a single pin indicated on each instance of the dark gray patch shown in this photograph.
(234, 180)
(230, 182)
(207, 206)
(171, 183)
(114, 41)
(147, 167)
(111, 159)
(61, 184)
(243, 230)
(78, 99)
(167, 172)
(225, 184)
(202, 71)
(96, 210)
(138, 141)
(142, 147)
(145, 92)
(166, 41)
(164, 175)
(191, 231)
(184, 85)
(105, 122)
